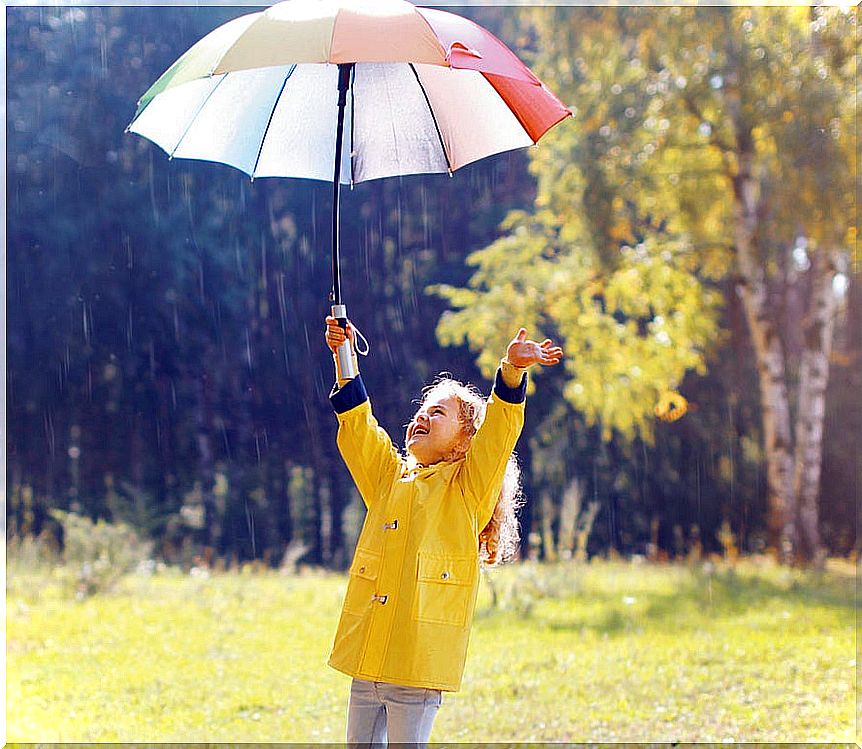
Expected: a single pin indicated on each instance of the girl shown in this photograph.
(433, 515)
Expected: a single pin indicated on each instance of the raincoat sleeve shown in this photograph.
(364, 445)
(485, 462)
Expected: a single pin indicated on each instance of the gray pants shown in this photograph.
(380, 713)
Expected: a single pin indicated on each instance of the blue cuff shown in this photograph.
(350, 396)
(510, 395)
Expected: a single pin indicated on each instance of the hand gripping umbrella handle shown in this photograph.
(345, 365)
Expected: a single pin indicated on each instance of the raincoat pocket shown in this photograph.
(361, 587)
(444, 586)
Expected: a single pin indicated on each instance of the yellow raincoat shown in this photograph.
(412, 586)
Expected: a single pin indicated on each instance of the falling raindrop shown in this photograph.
(103, 51)
(388, 350)
(247, 348)
(176, 324)
(249, 519)
(697, 478)
(414, 297)
(72, 17)
(187, 198)
(85, 322)
(263, 261)
(365, 243)
(731, 432)
(49, 432)
(224, 438)
(426, 234)
(151, 179)
(398, 216)
(283, 317)
(380, 234)
(314, 218)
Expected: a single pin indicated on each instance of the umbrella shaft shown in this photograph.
(344, 70)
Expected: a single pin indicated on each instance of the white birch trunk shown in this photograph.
(813, 378)
(770, 363)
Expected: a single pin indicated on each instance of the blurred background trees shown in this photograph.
(688, 237)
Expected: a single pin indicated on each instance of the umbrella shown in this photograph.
(399, 89)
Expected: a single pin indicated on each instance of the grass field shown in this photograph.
(606, 651)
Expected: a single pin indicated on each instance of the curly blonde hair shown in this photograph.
(499, 540)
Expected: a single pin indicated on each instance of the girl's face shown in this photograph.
(434, 430)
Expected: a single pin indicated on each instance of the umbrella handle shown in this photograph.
(345, 363)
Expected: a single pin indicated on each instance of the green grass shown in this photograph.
(607, 651)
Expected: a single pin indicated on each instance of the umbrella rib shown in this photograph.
(352, 120)
(433, 118)
(192, 120)
(269, 121)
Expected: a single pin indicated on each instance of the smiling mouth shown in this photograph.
(418, 431)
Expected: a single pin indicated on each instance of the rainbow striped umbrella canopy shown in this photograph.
(430, 91)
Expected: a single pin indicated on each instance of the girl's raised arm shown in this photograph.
(486, 459)
(366, 448)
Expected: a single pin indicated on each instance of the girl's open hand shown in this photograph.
(523, 353)
(335, 334)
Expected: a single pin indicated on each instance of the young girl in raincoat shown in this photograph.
(432, 516)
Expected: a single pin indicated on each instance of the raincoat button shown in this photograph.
(362, 569)
(445, 575)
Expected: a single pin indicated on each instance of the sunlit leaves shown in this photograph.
(631, 222)
(630, 332)
(633, 335)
